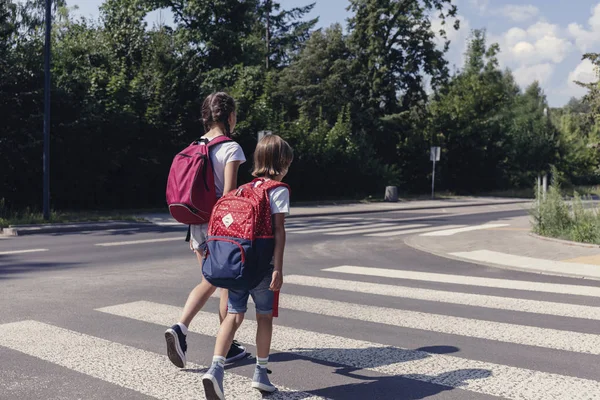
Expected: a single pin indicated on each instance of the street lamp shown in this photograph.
(47, 111)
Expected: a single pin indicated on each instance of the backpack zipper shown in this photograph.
(234, 242)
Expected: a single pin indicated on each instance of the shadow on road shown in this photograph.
(9, 266)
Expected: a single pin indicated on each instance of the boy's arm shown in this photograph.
(279, 228)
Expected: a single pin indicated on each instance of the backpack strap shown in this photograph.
(216, 141)
(269, 184)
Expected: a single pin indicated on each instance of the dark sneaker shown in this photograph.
(236, 352)
(176, 345)
(261, 380)
(213, 382)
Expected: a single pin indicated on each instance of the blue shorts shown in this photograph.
(262, 296)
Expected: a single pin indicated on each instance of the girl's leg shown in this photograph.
(197, 299)
(264, 333)
(223, 305)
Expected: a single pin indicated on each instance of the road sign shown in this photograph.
(435, 154)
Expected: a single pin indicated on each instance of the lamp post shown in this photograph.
(47, 111)
(267, 36)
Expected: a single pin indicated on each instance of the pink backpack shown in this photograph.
(191, 193)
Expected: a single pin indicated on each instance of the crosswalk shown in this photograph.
(379, 227)
(151, 374)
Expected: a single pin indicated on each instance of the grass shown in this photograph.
(28, 217)
(554, 217)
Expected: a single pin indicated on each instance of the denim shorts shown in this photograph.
(262, 296)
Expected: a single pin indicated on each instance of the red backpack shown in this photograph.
(240, 237)
(191, 192)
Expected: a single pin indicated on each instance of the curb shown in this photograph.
(563, 241)
(22, 230)
(410, 208)
(423, 249)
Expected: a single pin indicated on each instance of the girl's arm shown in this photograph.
(231, 174)
(279, 228)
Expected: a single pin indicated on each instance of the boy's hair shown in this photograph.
(216, 108)
(272, 157)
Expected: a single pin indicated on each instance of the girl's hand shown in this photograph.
(276, 281)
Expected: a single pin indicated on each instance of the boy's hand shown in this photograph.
(276, 281)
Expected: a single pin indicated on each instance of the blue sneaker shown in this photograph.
(261, 380)
(213, 382)
(176, 345)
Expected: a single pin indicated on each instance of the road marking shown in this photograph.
(111, 230)
(440, 296)
(450, 232)
(5, 253)
(371, 230)
(488, 330)
(345, 227)
(138, 242)
(143, 371)
(469, 280)
(475, 376)
(534, 264)
(316, 228)
(411, 231)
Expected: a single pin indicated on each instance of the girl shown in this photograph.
(219, 118)
(272, 159)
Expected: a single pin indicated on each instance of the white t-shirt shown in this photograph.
(220, 156)
(280, 201)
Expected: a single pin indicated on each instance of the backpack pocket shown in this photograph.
(228, 261)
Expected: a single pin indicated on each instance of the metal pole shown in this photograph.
(268, 5)
(47, 111)
(433, 180)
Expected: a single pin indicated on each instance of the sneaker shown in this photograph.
(213, 382)
(176, 345)
(236, 352)
(261, 380)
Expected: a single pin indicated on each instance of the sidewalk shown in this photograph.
(165, 219)
(512, 246)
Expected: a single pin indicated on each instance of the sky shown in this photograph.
(540, 40)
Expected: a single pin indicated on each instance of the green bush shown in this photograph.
(555, 217)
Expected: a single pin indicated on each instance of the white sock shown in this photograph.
(262, 362)
(219, 360)
(183, 328)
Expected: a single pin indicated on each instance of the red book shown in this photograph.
(276, 304)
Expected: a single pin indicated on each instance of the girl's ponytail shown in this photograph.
(217, 108)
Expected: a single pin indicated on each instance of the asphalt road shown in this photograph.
(83, 316)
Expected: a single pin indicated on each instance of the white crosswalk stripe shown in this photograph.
(379, 227)
(151, 374)
(476, 376)
(126, 366)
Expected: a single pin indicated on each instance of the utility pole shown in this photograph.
(268, 7)
(47, 111)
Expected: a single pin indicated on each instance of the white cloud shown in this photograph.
(481, 5)
(538, 44)
(585, 39)
(520, 13)
(525, 75)
(585, 72)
